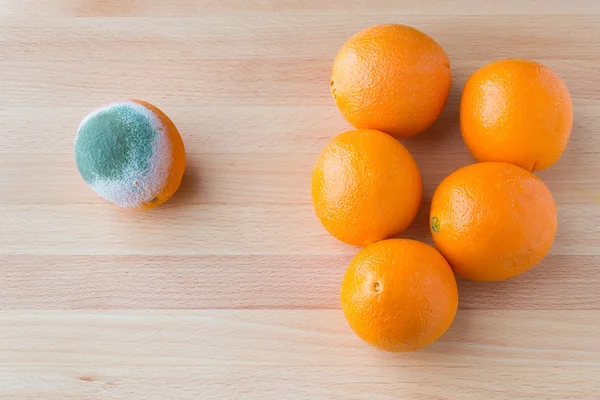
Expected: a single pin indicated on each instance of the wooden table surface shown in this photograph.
(230, 290)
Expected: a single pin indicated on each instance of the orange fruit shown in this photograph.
(516, 111)
(131, 154)
(493, 221)
(399, 295)
(365, 187)
(392, 78)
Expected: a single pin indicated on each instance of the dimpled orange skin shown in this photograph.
(365, 187)
(399, 295)
(493, 221)
(516, 111)
(391, 78)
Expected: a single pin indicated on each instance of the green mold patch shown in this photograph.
(435, 225)
(112, 142)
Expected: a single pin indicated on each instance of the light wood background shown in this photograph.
(230, 290)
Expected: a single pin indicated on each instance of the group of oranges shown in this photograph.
(490, 221)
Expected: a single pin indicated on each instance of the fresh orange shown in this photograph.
(493, 221)
(399, 295)
(516, 111)
(392, 78)
(365, 187)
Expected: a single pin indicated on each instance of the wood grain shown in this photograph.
(230, 290)
(57, 282)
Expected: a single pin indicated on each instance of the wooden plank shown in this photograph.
(143, 8)
(220, 230)
(281, 38)
(258, 282)
(309, 338)
(295, 382)
(247, 179)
